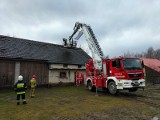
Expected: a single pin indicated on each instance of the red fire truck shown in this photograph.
(115, 74)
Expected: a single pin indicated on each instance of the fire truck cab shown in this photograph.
(122, 73)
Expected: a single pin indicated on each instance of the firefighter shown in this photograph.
(20, 88)
(33, 86)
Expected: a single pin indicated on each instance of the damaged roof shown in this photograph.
(17, 48)
(152, 63)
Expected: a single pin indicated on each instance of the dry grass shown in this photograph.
(67, 103)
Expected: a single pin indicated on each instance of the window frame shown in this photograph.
(65, 66)
(116, 63)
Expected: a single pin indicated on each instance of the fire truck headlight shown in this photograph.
(142, 83)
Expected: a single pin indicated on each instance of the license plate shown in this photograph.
(136, 84)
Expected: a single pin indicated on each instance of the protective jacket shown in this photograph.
(33, 83)
(20, 87)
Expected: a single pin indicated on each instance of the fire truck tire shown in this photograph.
(90, 87)
(112, 88)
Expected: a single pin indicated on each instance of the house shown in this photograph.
(51, 63)
(152, 70)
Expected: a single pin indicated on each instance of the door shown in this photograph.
(7, 70)
(116, 69)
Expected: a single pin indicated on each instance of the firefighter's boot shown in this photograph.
(24, 102)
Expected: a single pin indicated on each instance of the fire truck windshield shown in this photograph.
(132, 64)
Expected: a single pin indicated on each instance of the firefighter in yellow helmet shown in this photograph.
(20, 88)
(33, 86)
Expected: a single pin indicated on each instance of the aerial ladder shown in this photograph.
(96, 51)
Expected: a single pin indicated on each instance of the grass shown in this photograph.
(58, 103)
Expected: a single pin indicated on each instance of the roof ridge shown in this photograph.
(34, 41)
(29, 40)
(151, 58)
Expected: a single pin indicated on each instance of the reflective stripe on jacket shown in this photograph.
(20, 87)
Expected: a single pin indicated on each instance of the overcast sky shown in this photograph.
(119, 25)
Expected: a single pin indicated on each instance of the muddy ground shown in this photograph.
(77, 103)
(150, 97)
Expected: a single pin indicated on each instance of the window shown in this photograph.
(116, 63)
(132, 64)
(63, 75)
(79, 66)
(65, 65)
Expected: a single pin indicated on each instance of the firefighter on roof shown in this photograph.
(33, 85)
(20, 87)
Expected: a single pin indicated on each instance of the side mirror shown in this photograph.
(142, 63)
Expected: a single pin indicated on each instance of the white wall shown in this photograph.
(55, 66)
(55, 69)
(54, 75)
(60, 66)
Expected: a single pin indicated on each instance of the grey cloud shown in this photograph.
(117, 24)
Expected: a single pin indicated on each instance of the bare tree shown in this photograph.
(150, 53)
(128, 53)
(157, 54)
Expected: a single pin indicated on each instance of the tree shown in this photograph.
(150, 53)
(157, 54)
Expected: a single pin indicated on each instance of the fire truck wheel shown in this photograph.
(112, 88)
(90, 87)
